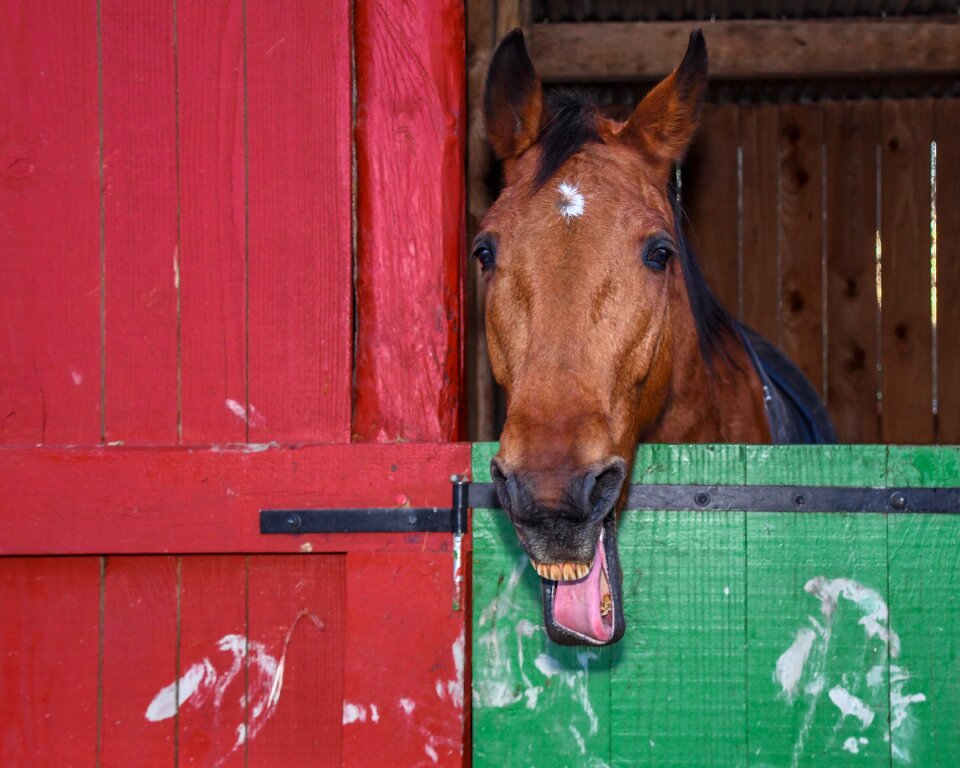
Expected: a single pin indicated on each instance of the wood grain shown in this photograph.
(212, 238)
(208, 500)
(801, 238)
(760, 219)
(50, 224)
(410, 195)
(851, 135)
(946, 117)
(140, 224)
(296, 609)
(49, 637)
(715, 217)
(299, 214)
(139, 660)
(406, 677)
(760, 49)
(905, 319)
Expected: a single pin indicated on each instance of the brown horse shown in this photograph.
(601, 328)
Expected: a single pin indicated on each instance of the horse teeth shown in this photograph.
(606, 605)
(582, 570)
(560, 571)
(568, 573)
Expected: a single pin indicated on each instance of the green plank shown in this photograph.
(678, 677)
(925, 613)
(534, 703)
(816, 617)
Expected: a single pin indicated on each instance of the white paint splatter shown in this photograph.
(176, 267)
(852, 745)
(407, 705)
(374, 714)
(236, 409)
(431, 751)
(791, 662)
(250, 413)
(726, 590)
(76, 376)
(869, 601)
(165, 703)
(850, 706)
(548, 665)
(571, 202)
(581, 744)
(354, 713)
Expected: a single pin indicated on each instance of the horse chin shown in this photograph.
(575, 615)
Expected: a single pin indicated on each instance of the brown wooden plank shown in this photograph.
(801, 238)
(749, 49)
(906, 334)
(709, 195)
(852, 380)
(946, 114)
(761, 247)
(48, 662)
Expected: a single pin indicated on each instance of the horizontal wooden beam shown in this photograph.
(745, 50)
(118, 500)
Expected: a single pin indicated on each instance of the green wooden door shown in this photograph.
(753, 639)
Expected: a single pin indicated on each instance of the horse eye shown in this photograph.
(657, 255)
(483, 253)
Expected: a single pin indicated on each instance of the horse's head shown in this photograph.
(579, 253)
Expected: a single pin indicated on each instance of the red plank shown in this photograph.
(140, 204)
(947, 133)
(906, 131)
(410, 159)
(852, 380)
(208, 500)
(761, 198)
(404, 668)
(801, 237)
(49, 224)
(139, 661)
(48, 663)
(296, 607)
(213, 640)
(212, 227)
(299, 214)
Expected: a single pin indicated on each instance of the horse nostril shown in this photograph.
(505, 482)
(602, 485)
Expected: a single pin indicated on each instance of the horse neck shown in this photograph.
(716, 402)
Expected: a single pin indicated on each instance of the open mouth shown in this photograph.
(582, 602)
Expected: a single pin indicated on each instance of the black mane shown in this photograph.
(570, 123)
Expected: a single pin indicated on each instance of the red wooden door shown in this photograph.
(178, 351)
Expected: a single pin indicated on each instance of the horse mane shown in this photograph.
(570, 122)
(715, 325)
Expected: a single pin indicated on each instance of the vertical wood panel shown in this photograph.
(306, 728)
(140, 199)
(947, 134)
(299, 214)
(796, 599)
(48, 663)
(410, 128)
(213, 638)
(852, 381)
(761, 195)
(801, 238)
(49, 224)
(925, 612)
(404, 662)
(212, 258)
(709, 196)
(906, 338)
(139, 661)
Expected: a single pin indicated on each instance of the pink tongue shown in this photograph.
(576, 604)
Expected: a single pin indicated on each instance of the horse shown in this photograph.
(601, 328)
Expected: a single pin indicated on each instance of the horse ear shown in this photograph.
(513, 100)
(664, 123)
